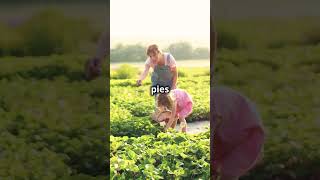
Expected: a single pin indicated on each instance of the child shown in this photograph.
(173, 106)
(238, 134)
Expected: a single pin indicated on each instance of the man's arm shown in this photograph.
(93, 65)
(174, 78)
(143, 74)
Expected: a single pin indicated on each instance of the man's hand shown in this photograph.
(92, 68)
(139, 82)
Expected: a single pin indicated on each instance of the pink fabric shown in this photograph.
(184, 103)
(239, 137)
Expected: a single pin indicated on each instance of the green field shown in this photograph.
(284, 84)
(53, 123)
(181, 63)
(276, 63)
(269, 33)
(139, 148)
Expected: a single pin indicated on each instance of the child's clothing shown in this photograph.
(184, 103)
(239, 135)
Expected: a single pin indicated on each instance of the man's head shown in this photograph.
(153, 52)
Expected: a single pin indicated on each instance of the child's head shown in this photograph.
(163, 116)
(164, 104)
(164, 101)
(153, 52)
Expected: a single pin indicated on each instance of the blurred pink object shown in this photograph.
(238, 133)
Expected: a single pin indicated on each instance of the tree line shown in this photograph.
(137, 52)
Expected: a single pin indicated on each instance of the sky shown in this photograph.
(160, 21)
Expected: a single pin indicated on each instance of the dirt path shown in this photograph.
(196, 127)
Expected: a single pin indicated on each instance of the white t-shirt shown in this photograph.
(169, 60)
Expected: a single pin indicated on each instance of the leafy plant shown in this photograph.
(125, 71)
(165, 156)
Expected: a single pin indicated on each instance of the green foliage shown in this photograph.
(21, 160)
(125, 71)
(123, 123)
(49, 126)
(262, 33)
(182, 73)
(140, 149)
(131, 114)
(201, 53)
(50, 32)
(277, 44)
(165, 156)
(45, 33)
(227, 40)
(285, 91)
(61, 133)
(128, 53)
(11, 42)
(311, 37)
(137, 105)
(181, 50)
(137, 52)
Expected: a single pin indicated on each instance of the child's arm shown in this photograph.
(173, 115)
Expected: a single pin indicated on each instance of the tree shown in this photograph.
(181, 50)
(201, 53)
